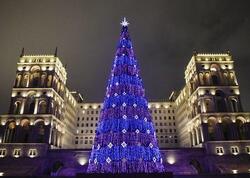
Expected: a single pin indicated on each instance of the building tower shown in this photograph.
(209, 106)
(37, 107)
(125, 140)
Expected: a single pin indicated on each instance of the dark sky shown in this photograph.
(164, 34)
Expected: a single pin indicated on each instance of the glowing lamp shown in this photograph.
(171, 160)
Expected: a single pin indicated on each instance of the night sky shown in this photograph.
(164, 34)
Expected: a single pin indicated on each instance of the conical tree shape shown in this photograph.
(125, 140)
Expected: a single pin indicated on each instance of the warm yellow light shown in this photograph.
(1, 173)
(82, 161)
(235, 171)
(171, 159)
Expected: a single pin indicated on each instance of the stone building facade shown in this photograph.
(50, 129)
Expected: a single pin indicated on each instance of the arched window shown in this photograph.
(49, 81)
(25, 81)
(226, 129)
(10, 132)
(40, 132)
(42, 107)
(17, 107)
(234, 105)
(211, 129)
(208, 107)
(30, 104)
(240, 129)
(220, 101)
(43, 80)
(215, 79)
(25, 132)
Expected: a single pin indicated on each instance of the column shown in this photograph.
(197, 136)
(36, 106)
(22, 106)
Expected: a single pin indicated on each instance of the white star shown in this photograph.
(124, 23)
(154, 159)
(124, 131)
(136, 117)
(134, 105)
(95, 160)
(110, 145)
(116, 94)
(124, 144)
(108, 160)
(116, 83)
(124, 93)
(151, 145)
(124, 117)
(137, 131)
(145, 119)
(148, 131)
(113, 105)
(98, 147)
(124, 104)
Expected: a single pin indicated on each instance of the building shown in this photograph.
(200, 129)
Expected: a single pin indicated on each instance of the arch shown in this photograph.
(211, 128)
(42, 107)
(196, 165)
(40, 132)
(18, 80)
(215, 74)
(35, 68)
(240, 129)
(225, 128)
(25, 131)
(207, 78)
(10, 132)
(25, 80)
(17, 107)
(43, 80)
(49, 81)
(234, 105)
(30, 103)
(220, 101)
(208, 105)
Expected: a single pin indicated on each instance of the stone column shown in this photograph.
(22, 106)
(47, 134)
(36, 106)
(2, 131)
(197, 136)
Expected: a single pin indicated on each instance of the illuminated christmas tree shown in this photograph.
(125, 140)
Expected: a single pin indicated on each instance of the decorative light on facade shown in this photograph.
(82, 161)
(235, 171)
(171, 159)
(1, 173)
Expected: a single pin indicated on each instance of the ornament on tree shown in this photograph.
(125, 140)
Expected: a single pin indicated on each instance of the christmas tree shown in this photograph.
(125, 140)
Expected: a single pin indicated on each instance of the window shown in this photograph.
(219, 150)
(32, 153)
(17, 153)
(3, 152)
(234, 150)
(248, 149)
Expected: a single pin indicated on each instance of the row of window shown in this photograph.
(86, 125)
(160, 111)
(165, 130)
(165, 124)
(17, 152)
(155, 118)
(233, 149)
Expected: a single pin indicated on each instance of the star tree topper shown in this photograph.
(124, 23)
